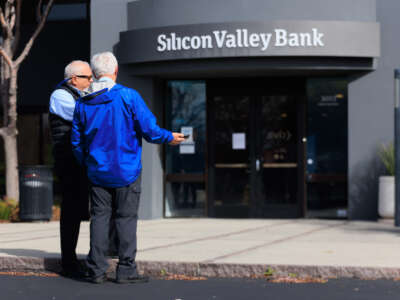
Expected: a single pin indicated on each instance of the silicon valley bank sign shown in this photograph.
(242, 38)
(275, 38)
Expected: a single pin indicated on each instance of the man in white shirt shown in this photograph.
(72, 177)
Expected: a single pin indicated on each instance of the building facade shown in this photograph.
(286, 102)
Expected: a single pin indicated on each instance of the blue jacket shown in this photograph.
(107, 133)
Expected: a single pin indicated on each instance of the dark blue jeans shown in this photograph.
(123, 204)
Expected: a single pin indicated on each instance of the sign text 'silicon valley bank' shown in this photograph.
(240, 38)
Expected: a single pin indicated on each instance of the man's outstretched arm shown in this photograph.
(151, 132)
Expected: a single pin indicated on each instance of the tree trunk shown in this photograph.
(5, 81)
(12, 178)
(10, 141)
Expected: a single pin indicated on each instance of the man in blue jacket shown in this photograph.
(107, 133)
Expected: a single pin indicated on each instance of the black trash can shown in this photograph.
(36, 193)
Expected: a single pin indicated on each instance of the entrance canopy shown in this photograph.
(255, 47)
(253, 67)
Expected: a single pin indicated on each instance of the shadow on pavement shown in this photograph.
(36, 259)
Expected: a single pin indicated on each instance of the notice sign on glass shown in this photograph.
(238, 141)
(186, 130)
(187, 146)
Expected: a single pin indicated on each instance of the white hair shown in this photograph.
(74, 68)
(104, 63)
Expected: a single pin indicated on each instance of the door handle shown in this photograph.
(258, 165)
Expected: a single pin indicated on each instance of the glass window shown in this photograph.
(185, 193)
(327, 133)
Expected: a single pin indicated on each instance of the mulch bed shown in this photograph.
(29, 274)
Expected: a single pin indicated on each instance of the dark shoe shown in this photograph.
(97, 280)
(73, 273)
(75, 270)
(133, 279)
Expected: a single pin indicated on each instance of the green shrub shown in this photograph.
(5, 210)
(386, 153)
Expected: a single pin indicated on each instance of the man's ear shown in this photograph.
(72, 81)
(116, 71)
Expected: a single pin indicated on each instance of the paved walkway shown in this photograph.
(220, 247)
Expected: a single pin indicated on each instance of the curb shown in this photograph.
(155, 268)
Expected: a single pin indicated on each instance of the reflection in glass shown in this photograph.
(279, 185)
(232, 188)
(278, 129)
(185, 189)
(327, 134)
(279, 149)
(231, 116)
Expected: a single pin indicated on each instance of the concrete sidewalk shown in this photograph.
(228, 248)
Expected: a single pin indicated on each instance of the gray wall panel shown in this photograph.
(158, 13)
(108, 19)
(151, 200)
(371, 116)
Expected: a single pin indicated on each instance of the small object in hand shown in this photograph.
(186, 136)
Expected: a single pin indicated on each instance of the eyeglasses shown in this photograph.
(88, 77)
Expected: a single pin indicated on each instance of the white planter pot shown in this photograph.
(386, 197)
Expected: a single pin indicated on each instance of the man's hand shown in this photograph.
(178, 138)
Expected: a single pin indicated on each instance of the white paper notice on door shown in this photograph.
(238, 141)
(187, 146)
(186, 149)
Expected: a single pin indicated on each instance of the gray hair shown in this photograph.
(74, 68)
(104, 63)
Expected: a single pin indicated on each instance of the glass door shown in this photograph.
(256, 149)
(327, 143)
(230, 143)
(185, 189)
(279, 171)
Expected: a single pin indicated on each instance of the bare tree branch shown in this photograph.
(7, 58)
(12, 19)
(17, 26)
(3, 20)
(9, 4)
(28, 46)
(39, 11)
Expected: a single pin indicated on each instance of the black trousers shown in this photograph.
(122, 204)
(74, 206)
